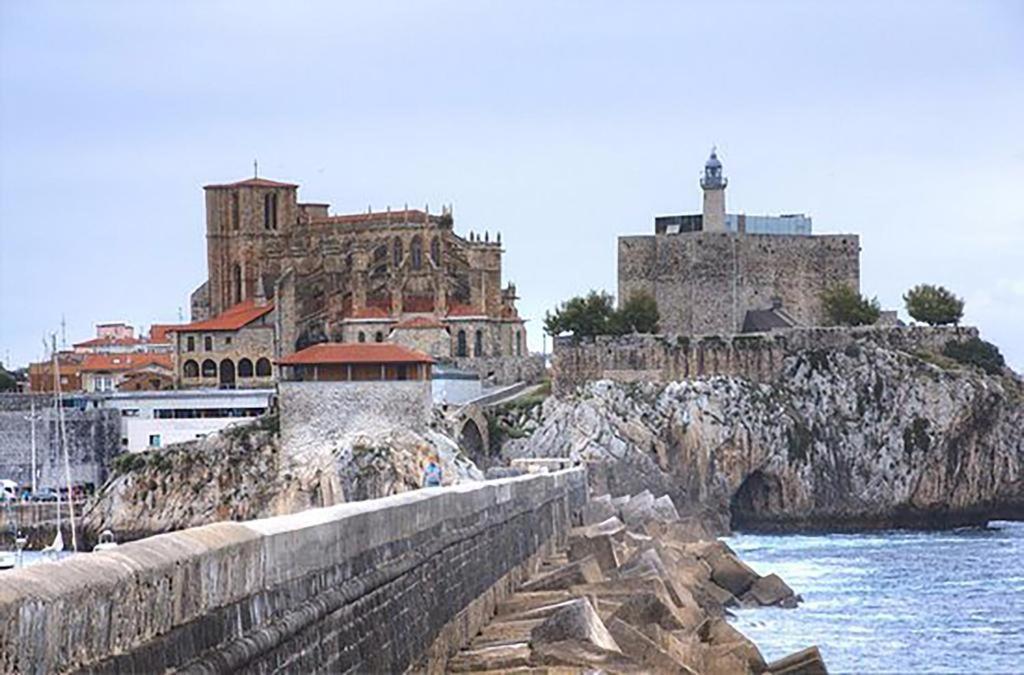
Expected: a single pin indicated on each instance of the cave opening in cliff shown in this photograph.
(756, 503)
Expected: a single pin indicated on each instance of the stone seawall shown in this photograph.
(375, 586)
(37, 522)
(756, 356)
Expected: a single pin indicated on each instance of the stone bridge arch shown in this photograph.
(472, 433)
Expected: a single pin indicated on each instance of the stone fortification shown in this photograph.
(374, 586)
(94, 439)
(759, 357)
(316, 416)
(706, 282)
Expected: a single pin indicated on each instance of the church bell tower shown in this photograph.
(713, 184)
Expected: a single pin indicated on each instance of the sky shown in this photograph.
(560, 124)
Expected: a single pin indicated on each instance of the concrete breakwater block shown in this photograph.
(804, 662)
(584, 571)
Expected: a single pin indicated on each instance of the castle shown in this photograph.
(401, 276)
(719, 273)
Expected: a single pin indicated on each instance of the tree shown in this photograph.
(7, 380)
(639, 314)
(583, 316)
(934, 305)
(846, 307)
(976, 352)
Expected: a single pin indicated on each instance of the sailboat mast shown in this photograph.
(67, 458)
(56, 410)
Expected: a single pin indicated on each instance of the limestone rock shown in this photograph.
(576, 622)
(639, 509)
(601, 547)
(805, 662)
(731, 573)
(644, 650)
(644, 608)
(599, 509)
(583, 571)
(772, 590)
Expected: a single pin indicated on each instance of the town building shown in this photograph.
(359, 278)
(232, 349)
(709, 276)
(331, 390)
(159, 418)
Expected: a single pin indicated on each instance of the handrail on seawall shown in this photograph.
(94, 607)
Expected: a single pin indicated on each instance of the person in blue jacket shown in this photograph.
(432, 473)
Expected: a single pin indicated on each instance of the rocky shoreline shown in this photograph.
(637, 588)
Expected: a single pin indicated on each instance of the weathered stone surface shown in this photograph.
(576, 622)
(772, 590)
(599, 509)
(731, 573)
(639, 509)
(805, 662)
(644, 608)
(583, 571)
(600, 547)
(665, 510)
(645, 651)
(498, 657)
(725, 639)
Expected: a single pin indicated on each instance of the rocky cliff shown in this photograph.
(241, 473)
(866, 436)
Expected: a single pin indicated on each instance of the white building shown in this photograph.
(154, 419)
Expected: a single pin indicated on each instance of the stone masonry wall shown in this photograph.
(94, 439)
(316, 415)
(755, 356)
(705, 282)
(373, 586)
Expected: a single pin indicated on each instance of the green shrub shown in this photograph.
(934, 305)
(846, 307)
(976, 352)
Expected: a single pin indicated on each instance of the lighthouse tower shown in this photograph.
(713, 184)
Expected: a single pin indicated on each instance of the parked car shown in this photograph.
(44, 495)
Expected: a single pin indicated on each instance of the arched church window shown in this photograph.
(378, 337)
(209, 368)
(519, 343)
(235, 215)
(396, 248)
(263, 367)
(416, 251)
(190, 370)
(362, 336)
(478, 344)
(245, 368)
(435, 251)
(460, 344)
(236, 283)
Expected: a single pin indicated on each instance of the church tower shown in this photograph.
(713, 184)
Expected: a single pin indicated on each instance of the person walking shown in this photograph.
(432, 473)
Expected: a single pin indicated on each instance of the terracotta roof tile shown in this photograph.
(232, 318)
(464, 310)
(109, 341)
(119, 362)
(333, 352)
(158, 332)
(250, 182)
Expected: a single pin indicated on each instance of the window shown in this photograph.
(190, 370)
(263, 367)
(191, 343)
(435, 251)
(416, 250)
(379, 337)
(235, 219)
(519, 343)
(460, 346)
(362, 336)
(227, 340)
(396, 249)
(209, 368)
(270, 211)
(236, 283)
(478, 344)
(208, 343)
(245, 368)
(403, 372)
(154, 440)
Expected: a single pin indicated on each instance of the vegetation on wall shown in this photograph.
(846, 307)
(933, 305)
(976, 352)
(595, 314)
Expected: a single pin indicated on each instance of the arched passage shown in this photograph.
(227, 373)
(757, 502)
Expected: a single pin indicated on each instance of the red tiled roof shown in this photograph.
(464, 310)
(158, 332)
(103, 362)
(232, 318)
(333, 352)
(250, 182)
(108, 341)
(420, 322)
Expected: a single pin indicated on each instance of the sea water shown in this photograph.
(895, 602)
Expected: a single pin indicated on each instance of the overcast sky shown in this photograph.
(560, 124)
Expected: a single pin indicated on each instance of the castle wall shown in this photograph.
(756, 356)
(705, 282)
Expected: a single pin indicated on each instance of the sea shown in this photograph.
(897, 601)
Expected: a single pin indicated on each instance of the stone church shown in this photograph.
(715, 273)
(401, 276)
